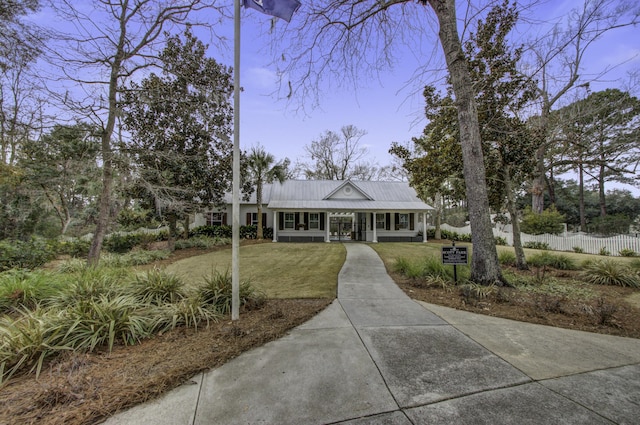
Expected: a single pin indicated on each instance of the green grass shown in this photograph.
(279, 270)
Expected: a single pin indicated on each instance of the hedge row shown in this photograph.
(224, 231)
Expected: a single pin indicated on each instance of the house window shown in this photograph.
(314, 220)
(403, 222)
(252, 219)
(381, 221)
(289, 220)
(216, 219)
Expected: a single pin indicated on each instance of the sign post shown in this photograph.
(454, 255)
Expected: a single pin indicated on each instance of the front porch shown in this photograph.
(340, 226)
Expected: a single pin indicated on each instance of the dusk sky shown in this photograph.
(390, 109)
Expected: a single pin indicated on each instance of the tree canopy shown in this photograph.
(180, 123)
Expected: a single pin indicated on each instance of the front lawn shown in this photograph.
(280, 270)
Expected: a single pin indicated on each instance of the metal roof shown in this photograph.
(335, 195)
(266, 192)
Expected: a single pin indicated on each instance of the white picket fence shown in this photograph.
(568, 241)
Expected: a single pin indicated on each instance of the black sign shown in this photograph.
(454, 255)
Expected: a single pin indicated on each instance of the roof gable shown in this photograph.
(348, 190)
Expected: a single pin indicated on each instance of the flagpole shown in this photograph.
(235, 230)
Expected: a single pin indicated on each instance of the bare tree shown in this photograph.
(112, 40)
(557, 64)
(338, 156)
(348, 40)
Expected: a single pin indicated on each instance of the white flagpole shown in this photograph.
(235, 230)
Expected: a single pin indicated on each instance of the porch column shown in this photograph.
(327, 221)
(424, 227)
(374, 227)
(275, 226)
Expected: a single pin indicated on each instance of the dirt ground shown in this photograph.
(87, 388)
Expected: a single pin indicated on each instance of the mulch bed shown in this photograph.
(86, 388)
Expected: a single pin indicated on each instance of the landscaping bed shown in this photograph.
(85, 388)
(609, 310)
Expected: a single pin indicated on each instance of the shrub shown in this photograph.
(536, 245)
(627, 252)
(556, 261)
(610, 272)
(119, 243)
(549, 221)
(578, 250)
(75, 247)
(201, 241)
(223, 231)
(605, 312)
(449, 235)
(27, 255)
(604, 251)
(500, 240)
(136, 258)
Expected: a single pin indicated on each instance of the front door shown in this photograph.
(340, 227)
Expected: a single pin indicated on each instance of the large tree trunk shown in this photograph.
(485, 268)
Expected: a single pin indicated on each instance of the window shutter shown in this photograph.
(296, 216)
(248, 222)
(412, 225)
(306, 221)
(397, 221)
(321, 221)
(373, 221)
(387, 221)
(264, 219)
(280, 220)
(224, 218)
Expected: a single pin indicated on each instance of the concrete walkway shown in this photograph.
(374, 356)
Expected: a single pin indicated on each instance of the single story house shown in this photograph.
(326, 210)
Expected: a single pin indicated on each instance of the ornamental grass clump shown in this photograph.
(610, 272)
(216, 291)
(408, 268)
(26, 288)
(106, 320)
(190, 312)
(158, 287)
(507, 258)
(90, 283)
(26, 339)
